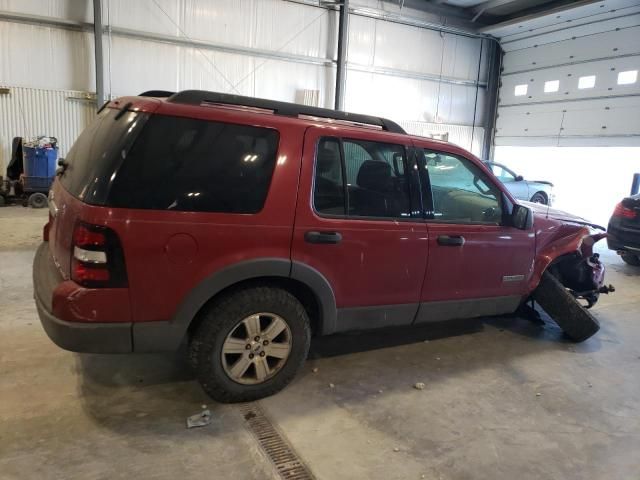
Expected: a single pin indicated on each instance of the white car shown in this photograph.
(536, 191)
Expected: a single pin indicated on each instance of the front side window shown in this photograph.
(187, 164)
(461, 192)
(360, 178)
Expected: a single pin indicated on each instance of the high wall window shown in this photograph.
(627, 78)
(551, 86)
(520, 90)
(587, 82)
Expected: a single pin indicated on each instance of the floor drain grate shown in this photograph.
(285, 459)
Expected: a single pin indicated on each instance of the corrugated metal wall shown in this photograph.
(266, 48)
(594, 40)
(462, 135)
(31, 112)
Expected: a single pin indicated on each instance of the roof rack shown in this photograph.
(197, 97)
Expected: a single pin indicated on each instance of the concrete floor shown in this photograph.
(510, 400)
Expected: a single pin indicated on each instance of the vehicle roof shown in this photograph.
(162, 104)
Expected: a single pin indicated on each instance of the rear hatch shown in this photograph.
(87, 172)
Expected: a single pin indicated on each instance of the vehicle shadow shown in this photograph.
(154, 393)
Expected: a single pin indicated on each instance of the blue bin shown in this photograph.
(39, 168)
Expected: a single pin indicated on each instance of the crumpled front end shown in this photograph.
(581, 271)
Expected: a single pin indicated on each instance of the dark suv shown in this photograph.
(243, 227)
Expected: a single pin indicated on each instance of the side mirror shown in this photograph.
(519, 178)
(522, 217)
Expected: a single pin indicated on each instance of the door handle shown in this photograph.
(451, 241)
(322, 237)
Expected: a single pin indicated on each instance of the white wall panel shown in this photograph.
(265, 24)
(30, 112)
(464, 136)
(77, 10)
(412, 99)
(185, 68)
(48, 58)
(384, 44)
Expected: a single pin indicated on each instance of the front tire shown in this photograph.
(631, 259)
(250, 344)
(574, 319)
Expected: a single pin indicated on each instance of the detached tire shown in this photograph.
(575, 320)
(250, 344)
(631, 259)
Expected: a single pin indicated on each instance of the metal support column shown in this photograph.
(343, 45)
(97, 35)
(491, 98)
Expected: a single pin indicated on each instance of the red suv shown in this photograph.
(243, 227)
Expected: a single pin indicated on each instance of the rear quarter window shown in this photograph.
(187, 164)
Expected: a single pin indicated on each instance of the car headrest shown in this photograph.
(327, 158)
(374, 175)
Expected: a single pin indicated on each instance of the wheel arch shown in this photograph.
(308, 285)
(541, 192)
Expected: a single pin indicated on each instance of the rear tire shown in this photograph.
(212, 344)
(575, 320)
(539, 197)
(631, 259)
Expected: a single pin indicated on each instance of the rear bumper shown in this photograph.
(623, 239)
(94, 337)
(86, 337)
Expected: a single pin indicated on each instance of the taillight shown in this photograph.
(98, 260)
(624, 212)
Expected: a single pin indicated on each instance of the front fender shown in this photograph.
(567, 240)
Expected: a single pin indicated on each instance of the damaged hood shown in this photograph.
(544, 211)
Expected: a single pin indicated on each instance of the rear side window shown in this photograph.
(359, 178)
(194, 165)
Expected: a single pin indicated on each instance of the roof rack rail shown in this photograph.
(156, 93)
(197, 97)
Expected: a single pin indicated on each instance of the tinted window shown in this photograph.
(196, 165)
(461, 191)
(329, 187)
(376, 182)
(94, 155)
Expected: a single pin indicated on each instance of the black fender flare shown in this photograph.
(319, 285)
(167, 336)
